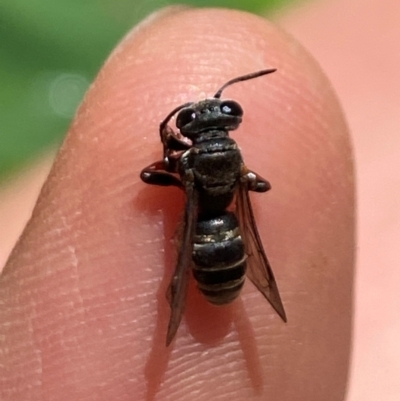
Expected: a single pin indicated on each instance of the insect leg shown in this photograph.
(155, 174)
(253, 181)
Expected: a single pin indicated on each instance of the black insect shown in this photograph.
(220, 239)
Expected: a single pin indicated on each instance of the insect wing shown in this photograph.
(258, 268)
(177, 290)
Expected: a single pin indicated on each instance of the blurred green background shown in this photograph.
(50, 50)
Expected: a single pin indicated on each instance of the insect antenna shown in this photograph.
(243, 78)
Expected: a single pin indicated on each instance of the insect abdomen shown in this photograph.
(219, 258)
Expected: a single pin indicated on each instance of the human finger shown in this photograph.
(90, 262)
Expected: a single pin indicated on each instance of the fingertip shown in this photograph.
(104, 232)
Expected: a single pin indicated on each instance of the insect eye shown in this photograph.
(185, 117)
(231, 108)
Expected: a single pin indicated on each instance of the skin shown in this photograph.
(84, 314)
(358, 50)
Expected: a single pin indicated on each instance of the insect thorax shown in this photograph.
(216, 164)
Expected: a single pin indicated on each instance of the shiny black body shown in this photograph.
(219, 257)
(220, 240)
